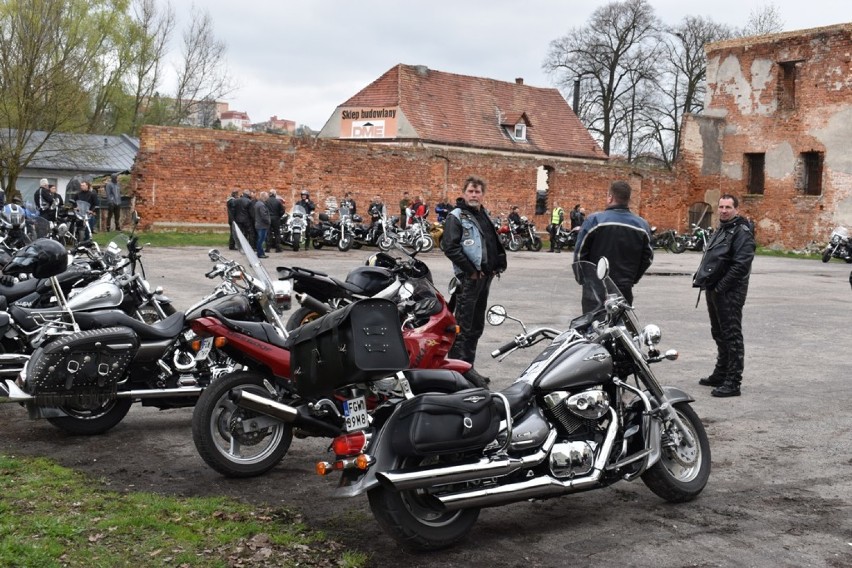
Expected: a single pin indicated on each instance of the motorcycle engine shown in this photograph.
(569, 459)
(573, 411)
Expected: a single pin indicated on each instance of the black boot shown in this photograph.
(711, 381)
(729, 388)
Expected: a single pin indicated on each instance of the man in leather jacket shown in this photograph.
(470, 241)
(723, 274)
(621, 236)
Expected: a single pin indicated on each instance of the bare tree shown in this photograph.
(680, 82)
(48, 53)
(763, 20)
(150, 36)
(616, 49)
(202, 77)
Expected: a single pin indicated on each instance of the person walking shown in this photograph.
(557, 216)
(723, 275)
(621, 236)
(471, 243)
(231, 205)
(276, 213)
(262, 221)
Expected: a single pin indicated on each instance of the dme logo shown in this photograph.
(368, 129)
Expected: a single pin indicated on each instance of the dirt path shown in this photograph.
(780, 493)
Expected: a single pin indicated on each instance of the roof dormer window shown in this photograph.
(520, 133)
(515, 125)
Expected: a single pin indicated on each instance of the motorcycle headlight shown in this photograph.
(281, 292)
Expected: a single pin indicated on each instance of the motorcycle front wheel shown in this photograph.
(677, 246)
(234, 441)
(826, 254)
(425, 244)
(682, 471)
(413, 518)
(514, 244)
(385, 243)
(91, 420)
(535, 245)
(345, 243)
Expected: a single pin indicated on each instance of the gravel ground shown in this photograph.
(780, 492)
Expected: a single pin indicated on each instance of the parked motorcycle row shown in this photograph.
(362, 362)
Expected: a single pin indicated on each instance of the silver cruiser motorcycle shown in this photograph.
(586, 413)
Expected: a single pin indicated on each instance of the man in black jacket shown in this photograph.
(276, 212)
(242, 215)
(723, 274)
(621, 236)
(470, 241)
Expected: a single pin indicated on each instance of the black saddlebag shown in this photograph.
(355, 344)
(433, 424)
(81, 368)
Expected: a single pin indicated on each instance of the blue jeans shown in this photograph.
(261, 238)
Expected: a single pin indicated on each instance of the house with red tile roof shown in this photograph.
(412, 104)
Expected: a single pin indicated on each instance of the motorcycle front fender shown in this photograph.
(675, 395)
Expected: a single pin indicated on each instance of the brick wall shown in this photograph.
(781, 96)
(183, 177)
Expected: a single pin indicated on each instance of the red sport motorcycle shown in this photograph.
(243, 423)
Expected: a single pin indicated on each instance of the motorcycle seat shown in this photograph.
(168, 328)
(519, 395)
(436, 380)
(262, 331)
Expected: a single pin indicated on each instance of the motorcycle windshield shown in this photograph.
(115, 249)
(83, 207)
(262, 277)
(597, 287)
(343, 212)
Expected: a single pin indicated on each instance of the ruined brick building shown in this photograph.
(775, 128)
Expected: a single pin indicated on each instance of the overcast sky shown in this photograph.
(300, 60)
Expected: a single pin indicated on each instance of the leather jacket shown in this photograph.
(726, 263)
(463, 242)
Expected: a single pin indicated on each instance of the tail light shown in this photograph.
(348, 445)
(347, 448)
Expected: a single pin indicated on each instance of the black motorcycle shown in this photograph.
(668, 240)
(839, 246)
(566, 238)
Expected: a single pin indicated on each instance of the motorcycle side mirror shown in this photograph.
(213, 254)
(134, 217)
(602, 268)
(496, 314)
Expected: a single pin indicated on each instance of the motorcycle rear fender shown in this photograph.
(385, 459)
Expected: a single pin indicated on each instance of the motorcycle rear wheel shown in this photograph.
(413, 518)
(316, 244)
(217, 429)
(86, 421)
(682, 472)
(300, 317)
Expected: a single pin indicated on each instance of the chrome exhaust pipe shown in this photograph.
(533, 488)
(11, 364)
(11, 392)
(282, 412)
(421, 478)
(157, 393)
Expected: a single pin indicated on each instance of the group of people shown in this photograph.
(49, 202)
(259, 216)
(471, 243)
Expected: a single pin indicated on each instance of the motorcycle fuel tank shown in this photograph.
(96, 296)
(579, 365)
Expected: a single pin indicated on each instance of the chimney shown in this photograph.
(519, 80)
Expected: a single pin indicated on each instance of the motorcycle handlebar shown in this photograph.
(503, 349)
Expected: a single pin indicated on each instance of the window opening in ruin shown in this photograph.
(788, 71)
(755, 164)
(812, 173)
(544, 175)
(700, 214)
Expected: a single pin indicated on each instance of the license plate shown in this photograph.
(355, 414)
(204, 351)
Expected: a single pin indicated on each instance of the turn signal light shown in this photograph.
(349, 444)
(322, 468)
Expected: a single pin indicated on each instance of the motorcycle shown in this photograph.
(346, 229)
(325, 232)
(85, 382)
(697, 240)
(294, 228)
(523, 235)
(566, 238)
(244, 423)
(586, 413)
(668, 240)
(839, 246)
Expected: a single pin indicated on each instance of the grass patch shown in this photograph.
(170, 239)
(51, 516)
